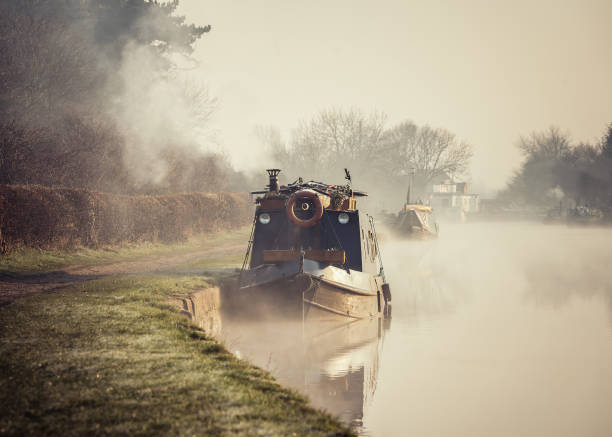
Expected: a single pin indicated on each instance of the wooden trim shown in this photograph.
(349, 204)
(327, 256)
(272, 204)
(324, 256)
(277, 256)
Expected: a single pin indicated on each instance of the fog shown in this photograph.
(513, 338)
(496, 329)
(103, 95)
(154, 110)
(147, 97)
(487, 71)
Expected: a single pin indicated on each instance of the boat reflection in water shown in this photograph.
(344, 372)
(335, 362)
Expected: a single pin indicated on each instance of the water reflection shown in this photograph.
(424, 280)
(335, 363)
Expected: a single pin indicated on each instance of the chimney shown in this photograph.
(273, 174)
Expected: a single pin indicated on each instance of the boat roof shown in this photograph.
(319, 187)
(417, 207)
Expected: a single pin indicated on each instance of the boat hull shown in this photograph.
(307, 289)
(416, 224)
(324, 300)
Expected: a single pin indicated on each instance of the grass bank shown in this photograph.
(36, 260)
(113, 357)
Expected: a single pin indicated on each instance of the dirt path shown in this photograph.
(15, 287)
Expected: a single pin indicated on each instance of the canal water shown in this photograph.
(497, 329)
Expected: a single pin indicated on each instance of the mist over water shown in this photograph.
(497, 329)
(508, 331)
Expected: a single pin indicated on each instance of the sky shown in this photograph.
(488, 71)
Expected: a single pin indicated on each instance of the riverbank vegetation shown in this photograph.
(63, 218)
(96, 94)
(113, 357)
(559, 172)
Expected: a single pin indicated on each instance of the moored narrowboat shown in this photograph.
(416, 220)
(312, 252)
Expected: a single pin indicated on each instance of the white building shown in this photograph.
(451, 199)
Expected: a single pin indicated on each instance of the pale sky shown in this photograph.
(489, 71)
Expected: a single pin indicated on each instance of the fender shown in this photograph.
(304, 194)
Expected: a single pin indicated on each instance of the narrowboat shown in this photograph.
(312, 252)
(414, 220)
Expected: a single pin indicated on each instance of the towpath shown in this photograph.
(15, 286)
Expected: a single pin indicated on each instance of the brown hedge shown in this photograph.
(64, 218)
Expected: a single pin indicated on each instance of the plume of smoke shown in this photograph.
(103, 92)
(556, 193)
(157, 112)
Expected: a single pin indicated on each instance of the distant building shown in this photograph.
(451, 199)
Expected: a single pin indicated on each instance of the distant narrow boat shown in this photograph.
(416, 221)
(313, 253)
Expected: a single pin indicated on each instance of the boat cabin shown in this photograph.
(316, 221)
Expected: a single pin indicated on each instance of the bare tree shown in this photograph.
(425, 152)
(332, 140)
(551, 163)
(380, 159)
(550, 144)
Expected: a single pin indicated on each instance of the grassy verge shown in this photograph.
(112, 357)
(33, 260)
